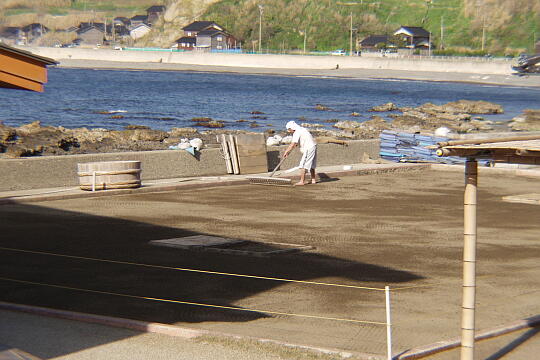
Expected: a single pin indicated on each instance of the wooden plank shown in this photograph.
(250, 139)
(19, 82)
(253, 161)
(234, 157)
(22, 67)
(250, 152)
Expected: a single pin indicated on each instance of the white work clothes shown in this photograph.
(303, 138)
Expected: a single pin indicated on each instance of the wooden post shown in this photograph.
(469, 260)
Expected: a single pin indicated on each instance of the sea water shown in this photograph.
(113, 99)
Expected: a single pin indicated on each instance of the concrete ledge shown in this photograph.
(61, 171)
(26, 196)
(166, 329)
(423, 351)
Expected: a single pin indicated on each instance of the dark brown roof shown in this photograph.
(199, 25)
(27, 54)
(187, 39)
(416, 31)
(22, 69)
(374, 40)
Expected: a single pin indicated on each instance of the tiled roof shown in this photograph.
(198, 25)
(209, 32)
(374, 40)
(187, 39)
(415, 31)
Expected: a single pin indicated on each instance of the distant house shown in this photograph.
(197, 26)
(206, 35)
(121, 32)
(153, 13)
(138, 20)
(139, 31)
(373, 42)
(121, 21)
(186, 43)
(91, 35)
(12, 34)
(215, 40)
(414, 36)
(34, 31)
(97, 25)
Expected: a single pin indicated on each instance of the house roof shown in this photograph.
(210, 32)
(35, 26)
(143, 25)
(156, 9)
(374, 40)
(415, 31)
(22, 69)
(122, 19)
(89, 28)
(187, 39)
(201, 25)
(10, 31)
(515, 149)
(139, 18)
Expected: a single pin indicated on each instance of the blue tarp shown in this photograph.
(411, 147)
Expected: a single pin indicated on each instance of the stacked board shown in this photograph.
(409, 147)
(244, 153)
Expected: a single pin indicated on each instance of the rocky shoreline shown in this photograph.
(453, 119)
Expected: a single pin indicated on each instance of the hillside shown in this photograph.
(500, 26)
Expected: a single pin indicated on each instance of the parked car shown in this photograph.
(339, 52)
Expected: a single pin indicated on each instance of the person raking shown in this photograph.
(308, 147)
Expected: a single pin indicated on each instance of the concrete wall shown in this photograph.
(473, 66)
(61, 171)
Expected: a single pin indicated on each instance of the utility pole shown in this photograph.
(305, 35)
(351, 27)
(350, 40)
(441, 46)
(483, 33)
(260, 26)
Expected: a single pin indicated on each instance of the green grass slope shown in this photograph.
(466, 26)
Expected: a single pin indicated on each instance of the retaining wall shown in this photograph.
(472, 66)
(61, 171)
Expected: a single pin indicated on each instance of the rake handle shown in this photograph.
(277, 167)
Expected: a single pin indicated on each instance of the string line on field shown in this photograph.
(192, 270)
(192, 303)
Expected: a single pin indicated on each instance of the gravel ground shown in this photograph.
(402, 230)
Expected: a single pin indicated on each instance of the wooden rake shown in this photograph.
(269, 180)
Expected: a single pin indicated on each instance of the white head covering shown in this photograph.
(292, 125)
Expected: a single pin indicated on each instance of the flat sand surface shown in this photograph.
(404, 230)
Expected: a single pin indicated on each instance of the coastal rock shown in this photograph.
(7, 134)
(308, 125)
(347, 124)
(182, 131)
(474, 107)
(211, 124)
(385, 107)
(322, 107)
(528, 121)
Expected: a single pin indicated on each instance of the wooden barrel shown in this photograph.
(109, 175)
